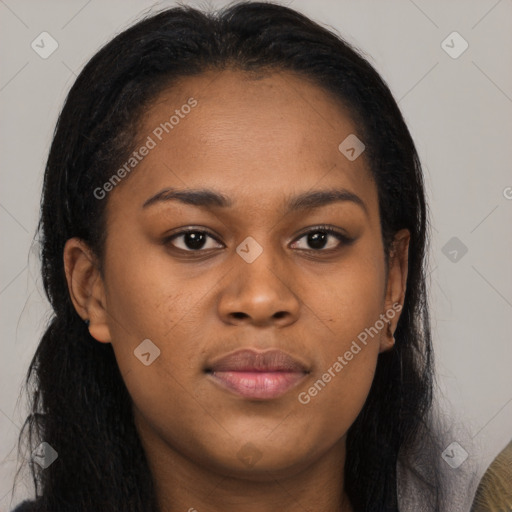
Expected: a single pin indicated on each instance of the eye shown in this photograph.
(323, 238)
(319, 239)
(192, 240)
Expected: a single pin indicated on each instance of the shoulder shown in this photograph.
(26, 506)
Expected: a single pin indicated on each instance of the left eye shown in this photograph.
(318, 239)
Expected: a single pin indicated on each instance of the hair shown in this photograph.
(78, 401)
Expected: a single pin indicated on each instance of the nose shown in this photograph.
(259, 293)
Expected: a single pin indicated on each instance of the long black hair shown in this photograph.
(79, 403)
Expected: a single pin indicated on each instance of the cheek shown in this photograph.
(146, 295)
(353, 297)
(147, 299)
(347, 353)
(337, 393)
(338, 389)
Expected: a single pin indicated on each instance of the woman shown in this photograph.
(234, 230)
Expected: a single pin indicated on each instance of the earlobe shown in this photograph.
(86, 288)
(387, 341)
(396, 285)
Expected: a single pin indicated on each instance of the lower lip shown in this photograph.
(258, 385)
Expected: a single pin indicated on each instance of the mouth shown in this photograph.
(257, 375)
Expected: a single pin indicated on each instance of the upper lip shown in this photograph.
(250, 360)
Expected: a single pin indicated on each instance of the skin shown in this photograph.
(259, 141)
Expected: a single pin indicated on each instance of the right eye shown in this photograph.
(191, 240)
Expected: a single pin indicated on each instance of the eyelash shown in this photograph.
(343, 239)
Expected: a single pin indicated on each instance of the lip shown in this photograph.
(257, 375)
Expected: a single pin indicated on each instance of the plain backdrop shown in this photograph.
(458, 109)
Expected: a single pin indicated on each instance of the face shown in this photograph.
(266, 319)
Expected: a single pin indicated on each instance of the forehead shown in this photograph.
(258, 139)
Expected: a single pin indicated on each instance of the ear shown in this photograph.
(396, 285)
(86, 287)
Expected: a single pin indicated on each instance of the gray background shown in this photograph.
(459, 111)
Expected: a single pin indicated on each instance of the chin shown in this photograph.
(260, 459)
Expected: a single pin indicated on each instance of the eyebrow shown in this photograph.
(207, 198)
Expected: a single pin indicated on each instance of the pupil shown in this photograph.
(317, 240)
(194, 240)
